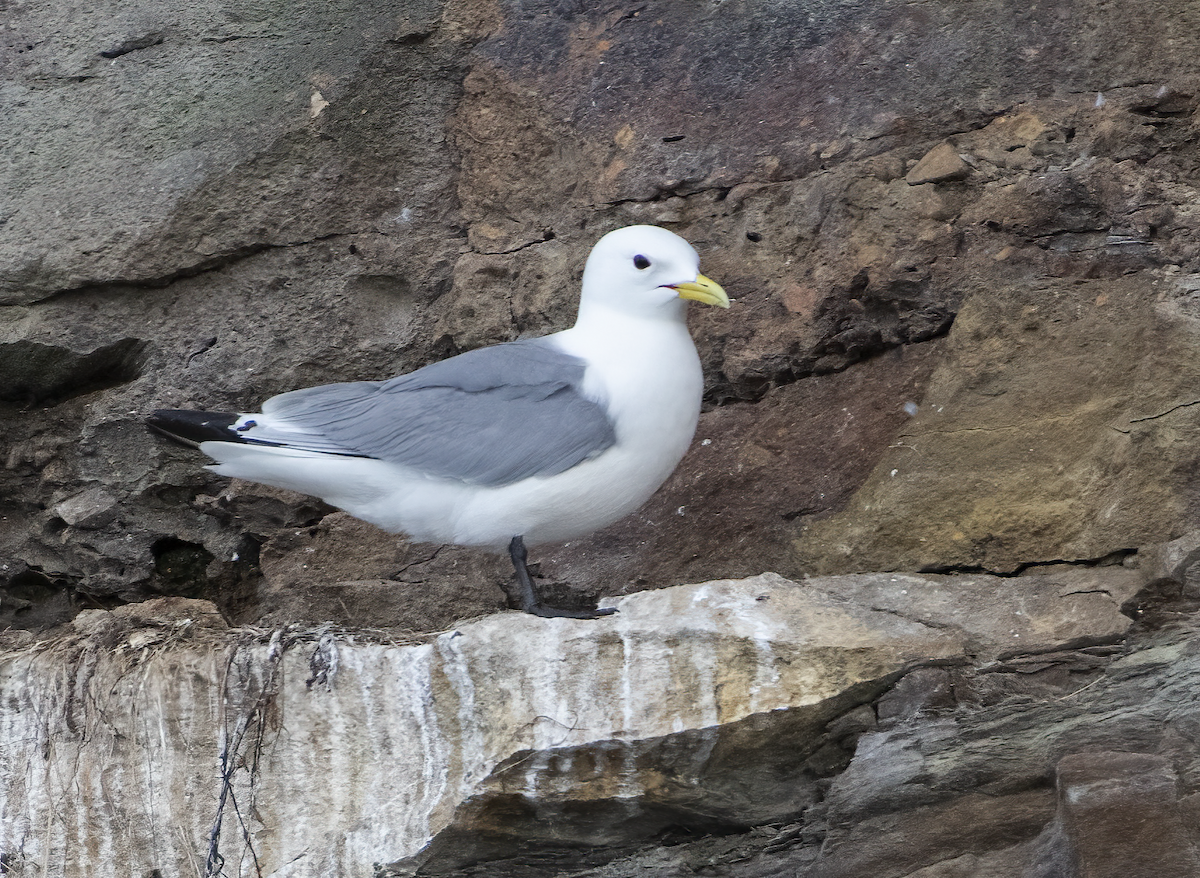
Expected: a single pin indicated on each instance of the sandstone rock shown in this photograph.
(172, 612)
(940, 164)
(1010, 141)
(92, 623)
(752, 472)
(1061, 431)
(349, 572)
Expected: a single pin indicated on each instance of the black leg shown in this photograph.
(526, 597)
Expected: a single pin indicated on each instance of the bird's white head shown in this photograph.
(645, 270)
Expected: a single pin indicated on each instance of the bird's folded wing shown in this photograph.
(488, 417)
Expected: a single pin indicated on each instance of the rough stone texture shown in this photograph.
(1116, 806)
(1077, 399)
(965, 248)
(712, 707)
(429, 179)
(940, 165)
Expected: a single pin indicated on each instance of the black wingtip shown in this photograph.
(191, 427)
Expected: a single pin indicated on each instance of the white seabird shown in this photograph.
(533, 441)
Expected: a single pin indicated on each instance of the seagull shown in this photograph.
(538, 440)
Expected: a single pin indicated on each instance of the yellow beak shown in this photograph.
(702, 290)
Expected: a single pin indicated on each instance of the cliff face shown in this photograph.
(822, 713)
(965, 251)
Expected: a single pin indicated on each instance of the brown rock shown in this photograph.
(940, 164)
(171, 611)
(350, 572)
(752, 472)
(1122, 817)
(900, 844)
(1057, 398)
(1011, 141)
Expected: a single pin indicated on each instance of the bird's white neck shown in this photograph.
(641, 349)
(596, 310)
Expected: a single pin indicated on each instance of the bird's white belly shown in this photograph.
(571, 504)
(655, 409)
(652, 389)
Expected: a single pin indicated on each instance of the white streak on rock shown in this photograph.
(110, 755)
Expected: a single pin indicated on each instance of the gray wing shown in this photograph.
(492, 416)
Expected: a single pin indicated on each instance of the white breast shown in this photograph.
(647, 374)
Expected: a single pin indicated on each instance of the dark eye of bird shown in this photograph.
(641, 263)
